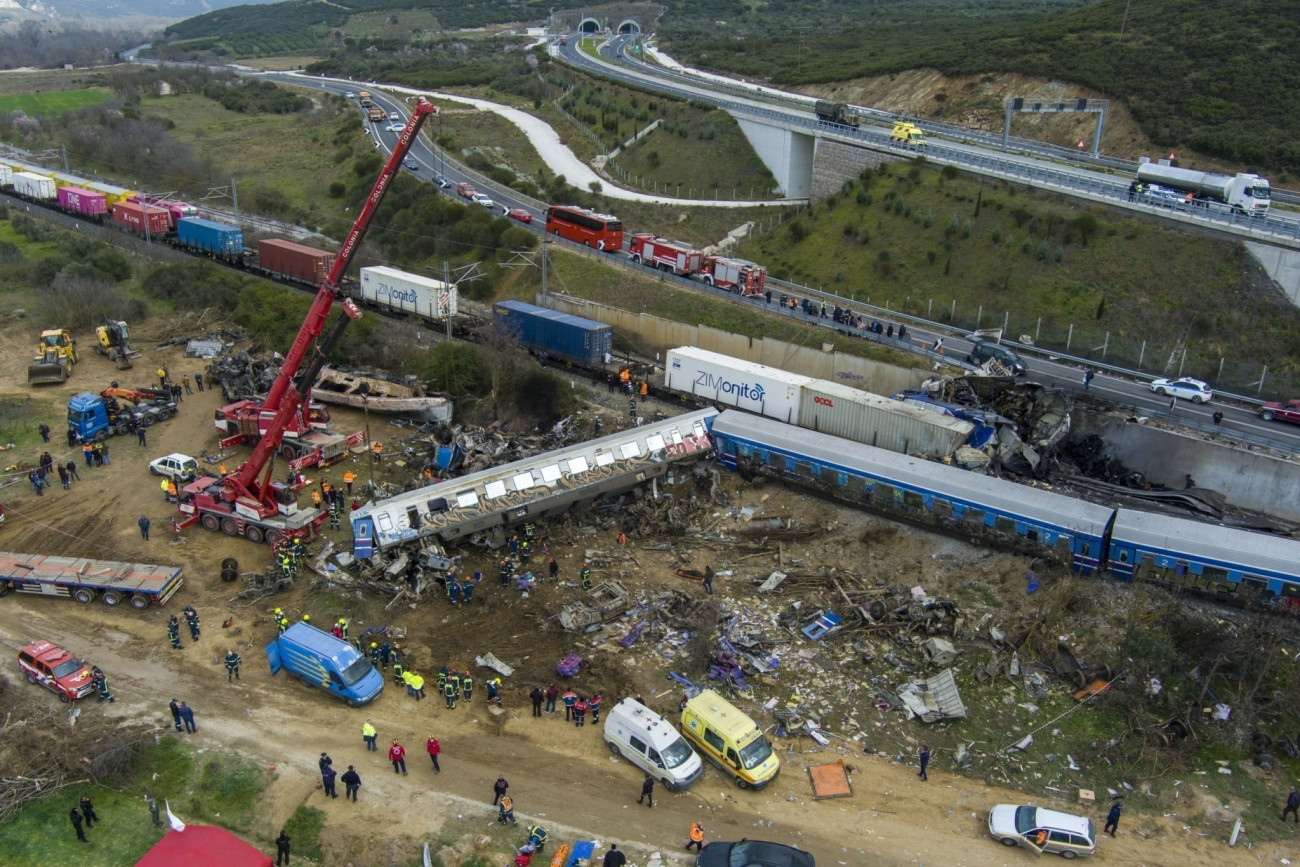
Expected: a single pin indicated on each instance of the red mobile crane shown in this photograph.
(247, 502)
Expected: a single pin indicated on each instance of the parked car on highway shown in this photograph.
(55, 669)
(752, 853)
(1289, 411)
(411, 163)
(176, 466)
(1040, 830)
(1185, 388)
(982, 350)
(519, 214)
(484, 200)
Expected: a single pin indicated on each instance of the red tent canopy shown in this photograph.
(203, 846)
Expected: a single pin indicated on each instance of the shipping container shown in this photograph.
(88, 203)
(6, 176)
(285, 258)
(409, 293)
(854, 414)
(562, 335)
(33, 186)
(207, 236)
(132, 215)
(734, 382)
(112, 193)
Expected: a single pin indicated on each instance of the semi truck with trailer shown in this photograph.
(1245, 193)
(96, 417)
(138, 584)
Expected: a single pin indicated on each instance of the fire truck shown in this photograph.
(737, 275)
(247, 502)
(672, 256)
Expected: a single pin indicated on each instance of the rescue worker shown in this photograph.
(101, 684)
(514, 543)
(537, 837)
(377, 452)
(374, 653)
(631, 408)
(507, 571)
(467, 686)
(417, 683)
(334, 515)
(398, 672)
(697, 837)
(343, 627)
(442, 678)
(453, 589)
(449, 693)
(368, 734)
(467, 586)
(530, 532)
(593, 705)
(580, 712)
(494, 691)
(174, 632)
(384, 653)
(506, 811)
(232, 665)
(348, 478)
(408, 678)
(525, 552)
(570, 699)
(282, 622)
(553, 568)
(315, 499)
(585, 575)
(453, 680)
(306, 618)
(397, 653)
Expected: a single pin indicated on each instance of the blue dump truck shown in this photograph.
(319, 659)
(559, 335)
(95, 417)
(206, 236)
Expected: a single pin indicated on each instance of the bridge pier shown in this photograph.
(787, 153)
(1282, 264)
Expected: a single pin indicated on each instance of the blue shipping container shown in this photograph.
(562, 335)
(218, 239)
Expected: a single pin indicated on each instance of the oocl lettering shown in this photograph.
(740, 390)
(824, 401)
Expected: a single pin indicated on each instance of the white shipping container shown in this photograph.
(734, 382)
(411, 293)
(854, 414)
(6, 176)
(34, 186)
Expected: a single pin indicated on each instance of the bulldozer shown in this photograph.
(56, 352)
(115, 342)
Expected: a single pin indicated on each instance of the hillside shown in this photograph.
(107, 11)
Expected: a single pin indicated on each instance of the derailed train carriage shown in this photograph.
(545, 485)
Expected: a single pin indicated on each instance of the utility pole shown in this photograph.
(545, 241)
(446, 281)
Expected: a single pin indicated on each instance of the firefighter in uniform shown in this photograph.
(530, 532)
(442, 678)
(101, 684)
(467, 686)
(449, 693)
(397, 671)
(374, 654)
(467, 586)
(585, 575)
(507, 571)
(453, 589)
(232, 665)
(525, 551)
(192, 620)
(174, 632)
(537, 837)
(453, 681)
(334, 515)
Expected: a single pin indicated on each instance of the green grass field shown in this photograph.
(54, 101)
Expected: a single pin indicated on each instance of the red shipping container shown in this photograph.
(132, 215)
(295, 260)
(86, 202)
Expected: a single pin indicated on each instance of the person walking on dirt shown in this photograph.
(45, 437)
(449, 693)
(708, 580)
(435, 749)
(187, 716)
(327, 778)
(351, 784)
(593, 705)
(615, 858)
(924, 757)
(697, 837)
(580, 712)
(570, 699)
(176, 713)
(162, 377)
(536, 695)
(191, 620)
(198, 380)
(185, 383)
(144, 524)
(1292, 806)
(368, 734)
(397, 756)
(648, 791)
(499, 789)
(232, 665)
(552, 692)
(1112, 819)
(282, 848)
(71, 466)
(174, 632)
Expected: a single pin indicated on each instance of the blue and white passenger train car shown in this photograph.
(958, 501)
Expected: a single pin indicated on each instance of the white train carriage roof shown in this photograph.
(1255, 553)
(1041, 507)
(534, 478)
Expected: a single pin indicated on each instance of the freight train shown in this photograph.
(1235, 566)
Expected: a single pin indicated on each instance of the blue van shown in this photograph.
(319, 659)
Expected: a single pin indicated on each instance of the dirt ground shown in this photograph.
(559, 774)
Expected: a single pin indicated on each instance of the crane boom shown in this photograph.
(283, 400)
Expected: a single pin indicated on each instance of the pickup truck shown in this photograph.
(466, 190)
(1289, 411)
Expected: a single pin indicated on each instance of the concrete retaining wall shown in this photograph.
(835, 162)
(1248, 479)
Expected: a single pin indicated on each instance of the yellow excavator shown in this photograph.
(56, 352)
(115, 342)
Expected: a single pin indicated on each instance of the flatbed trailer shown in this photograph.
(85, 580)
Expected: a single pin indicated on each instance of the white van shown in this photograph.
(650, 742)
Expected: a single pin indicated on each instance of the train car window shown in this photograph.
(550, 474)
(627, 451)
(437, 504)
(1214, 575)
(974, 516)
(655, 443)
(913, 500)
(831, 477)
(385, 522)
(1123, 556)
(604, 458)
(492, 490)
(466, 499)
(577, 465)
(1063, 544)
(522, 481)
(413, 518)
(1004, 524)
(804, 469)
(943, 509)
(1031, 533)
(1254, 583)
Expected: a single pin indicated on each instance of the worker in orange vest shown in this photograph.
(348, 478)
(315, 498)
(377, 451)
(697, 837)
